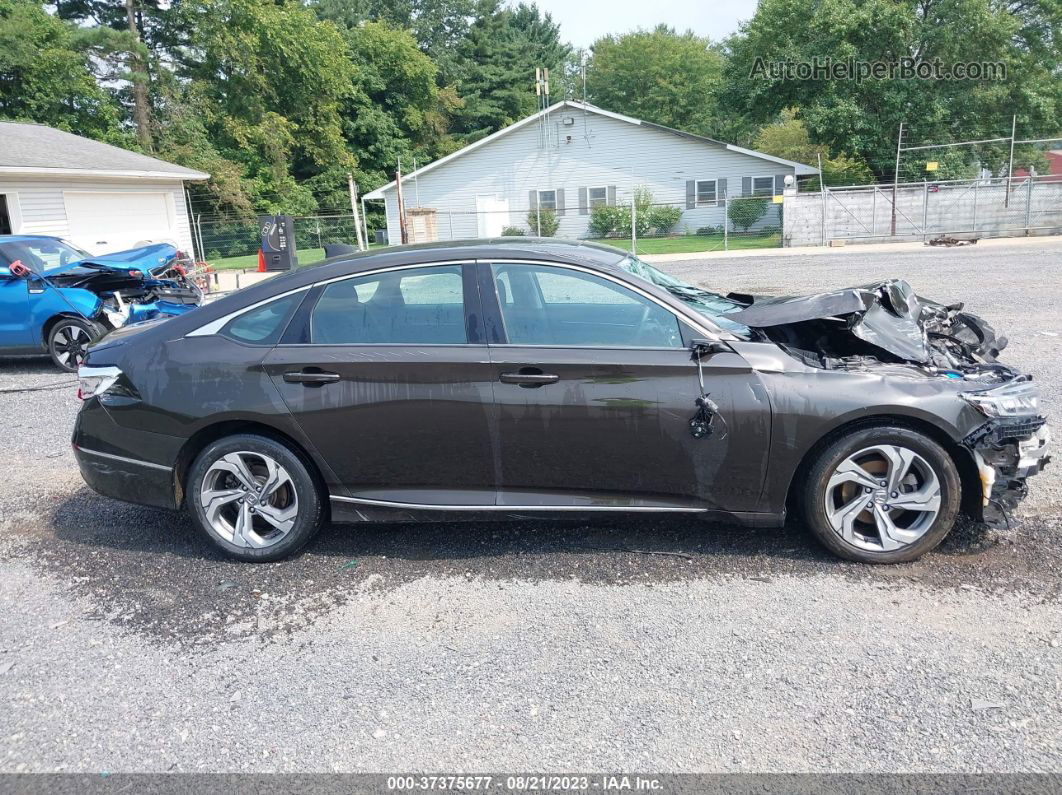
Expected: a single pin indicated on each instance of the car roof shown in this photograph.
(572, 252)
(18, 238)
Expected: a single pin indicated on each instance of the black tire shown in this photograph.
(68, 340)
(309, 513)
(814, 496)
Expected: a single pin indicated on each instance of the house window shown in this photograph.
(706, 195)
(547, 200)
(597, 197)
(763, 186)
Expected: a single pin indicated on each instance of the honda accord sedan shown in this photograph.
(523, 377)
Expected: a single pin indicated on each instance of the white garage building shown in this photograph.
(99, 197)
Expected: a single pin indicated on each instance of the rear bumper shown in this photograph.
(126, 478)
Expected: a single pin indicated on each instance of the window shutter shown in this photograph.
(779, 184)
(746, 186)
(721, 190)
(691, 194)
(612, 195)
(584, 202)
(560, 201)
(532, 199)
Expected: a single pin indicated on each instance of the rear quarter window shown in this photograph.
(264, 325)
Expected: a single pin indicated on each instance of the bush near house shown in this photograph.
(615, 220)
(547, 219)
(743, 213)
(513, 231)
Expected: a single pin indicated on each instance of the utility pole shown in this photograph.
(402, 236)
(896, 177)
(1010, 163)
(353, 188)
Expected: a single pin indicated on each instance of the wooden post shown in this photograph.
(402, 236)
(353, 188)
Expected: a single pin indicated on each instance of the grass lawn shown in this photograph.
(689, 244)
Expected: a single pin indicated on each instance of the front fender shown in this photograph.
(52, 301)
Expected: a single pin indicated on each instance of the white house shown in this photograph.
(99, 197)
(572, 157)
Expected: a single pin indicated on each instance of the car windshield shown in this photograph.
(40, 254)
(712, 305)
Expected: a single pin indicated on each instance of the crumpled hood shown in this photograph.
(142, 259)
(887, 315)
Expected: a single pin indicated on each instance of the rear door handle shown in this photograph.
(529, 379)
(311, 378)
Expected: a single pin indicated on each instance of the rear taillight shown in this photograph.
(93, 381)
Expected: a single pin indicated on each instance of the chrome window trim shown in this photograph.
(215, 326)
(699, 322)
(124, 460)
(428, 506)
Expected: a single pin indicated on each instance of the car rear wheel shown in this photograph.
(882, 495)
(254, 498)
(69, 339)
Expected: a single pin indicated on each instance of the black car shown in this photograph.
(528, 377)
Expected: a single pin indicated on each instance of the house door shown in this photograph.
(492, 215)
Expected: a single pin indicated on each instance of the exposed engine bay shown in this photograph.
(884, 322)
(128, 295)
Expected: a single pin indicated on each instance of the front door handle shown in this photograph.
(310, 378)
(529, 379)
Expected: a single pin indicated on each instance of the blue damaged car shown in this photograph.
(57, 299)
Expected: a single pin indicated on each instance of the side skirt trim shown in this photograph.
(124, 460)
(510, 508)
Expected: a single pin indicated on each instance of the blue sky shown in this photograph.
(583, 21)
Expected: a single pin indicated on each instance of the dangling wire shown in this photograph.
(703, 423)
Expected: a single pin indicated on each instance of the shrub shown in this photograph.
(609, 221)
(743, 213)
(663, 218)
(513, 231)
(710, 230)
(542, 222)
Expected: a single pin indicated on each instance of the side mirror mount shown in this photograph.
(18, 270)
(703, 348)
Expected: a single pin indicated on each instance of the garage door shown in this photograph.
(102, 222)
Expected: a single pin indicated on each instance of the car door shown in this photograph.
(595, 388)
(388, 375)
(15, 332)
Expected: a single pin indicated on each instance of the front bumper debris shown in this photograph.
(1007, 453)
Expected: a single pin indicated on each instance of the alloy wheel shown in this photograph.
(70, 343)
(882, 498)
(249, 499)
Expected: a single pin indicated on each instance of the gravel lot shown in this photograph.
(127, 644)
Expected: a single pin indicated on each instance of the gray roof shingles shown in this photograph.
(33, 146)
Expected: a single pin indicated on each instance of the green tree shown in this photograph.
(269, 80)
(659, 75)
(743, 213)
(861, 117)
(788, 138)
(45, 75)
(498, 57)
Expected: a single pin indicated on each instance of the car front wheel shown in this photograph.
(69, 339)
(254, 498)
(882, 495)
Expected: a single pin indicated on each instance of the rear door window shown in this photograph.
(415, 306)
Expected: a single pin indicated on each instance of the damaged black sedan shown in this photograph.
(535, 378)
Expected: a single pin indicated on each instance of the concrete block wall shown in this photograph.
(924, 211)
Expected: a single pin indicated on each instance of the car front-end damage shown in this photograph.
(885, 327)
(128, 296)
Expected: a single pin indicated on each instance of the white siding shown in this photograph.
(42, 208)
(610, 152)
